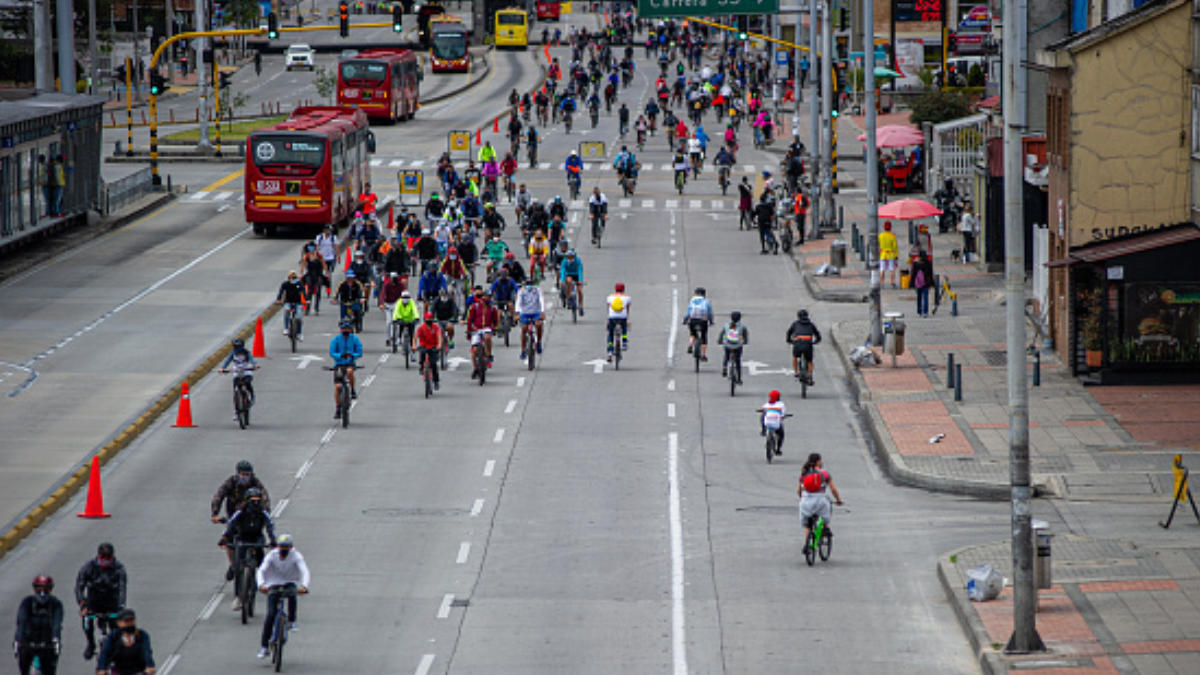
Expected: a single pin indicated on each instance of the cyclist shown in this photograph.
(426, 249)
(233, 490)
(445, 310)
(593, 104)
(455, 270)
(536, 220)
(39, 628)
(389, 295)
(813, 499)
(492, 220)
(494, 251)
(243, 363)
(558, 208)
(539, 249)
(327, 246)
(641, 126)
(695, 151)
(405, 314)
(491, 177)
(680, 166)
(803, 335)
(397, 258)
(509, 168)
(487, 153)
(481, 321)
(574, 167)
(291, 296)
(745, 203)
(504, 290)
(618, 317)
(431, 283)
(625, 163)
(435, 207)
(514, 267)
(100, 592)
(623, 119)
(764, 215)
(349, 296)
(246, 527)
(698, 318)
(724, 163)
(283, 568)
(598, 206)
(652, 114)
(364, 273)
(734, 336)
(345, 349)
(531, 146)
(531, 305)
(570, 273)
(556, 227)
(702, 136)
(514, 133)
(316, 275)
(773, 412)
(127, 651)
(429, 339)
(567, 108)
(522, 199)
(681, 130)
(558, 253)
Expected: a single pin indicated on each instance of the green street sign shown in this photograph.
(656, 8)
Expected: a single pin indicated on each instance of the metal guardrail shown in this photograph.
(126, 190)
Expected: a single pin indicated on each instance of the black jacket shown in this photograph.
(39, 621)
(803, 328)
(101, 587)
(233, 494)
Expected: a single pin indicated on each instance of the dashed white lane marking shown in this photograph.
(328, 436)
(674, 327)
(672, 264)
(489, 468)
(169, 665)
(444, 609)
(672, 241)
(396, 162)
(383, 358)
(499, 437)
(426, 662)
(223, 208)
(670, 410)
(544, 165)
(672, 253)
(464, 550)
(213, 603)
(678, 635)
(368, 381)
(304, 469)
(647, 203)
(416, 163)
(672, 203)
(477, 508)
(377, 162)
(520, 382)
(671, 385)
(624, 203)
(674, 277)
(696, 204)
(278, 510)
(512, 405)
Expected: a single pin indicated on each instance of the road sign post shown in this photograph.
(592, 150)
(459, 141)
(412, 185)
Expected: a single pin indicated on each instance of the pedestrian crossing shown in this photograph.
(542, 166)
(578, 205)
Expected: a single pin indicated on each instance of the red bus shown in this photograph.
(448, 46)
(383, 83)
(308, 170)
(549, 10)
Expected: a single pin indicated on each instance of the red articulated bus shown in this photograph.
(549, 10)
(383, 83)
(309, 170)
(448, 47)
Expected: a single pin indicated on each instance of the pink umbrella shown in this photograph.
(896, 136)
(909, 209)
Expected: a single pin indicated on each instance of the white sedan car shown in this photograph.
(299, 56)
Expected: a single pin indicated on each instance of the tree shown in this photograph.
(325, 82)
(15, 19)
(231, 103)
(939, 105)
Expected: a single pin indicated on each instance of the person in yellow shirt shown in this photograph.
(539, 248)
(889, 253)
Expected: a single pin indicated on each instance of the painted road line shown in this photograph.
(696, 204)
(672, 241)
(224, 208)
(477, 508)
(678, 628)
(670, 410)
(417, 163)
(499, 437)
(624, 203)
(674, 327)
(674, 278)
(464, 550)
(489, 468)
(672, 253)
(278, 510)
(328, 435)
(426, 662)
(647, 203)
(512, 405)
(367, 382)
(213, 603)
(671, 385)
(718, 204)
(544, 165)
(377, 162)
(222, 196)
(308, 464)
(228, 178)
(520, 382)
(169, 665)
(672, 264)
(198, 196)
(672, 203)
(396, 162)
(444, 609)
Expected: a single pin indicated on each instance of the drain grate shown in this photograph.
(995, 357)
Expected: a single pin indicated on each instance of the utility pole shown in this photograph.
(43, 66)
(814, 111)
(875, 309)
(93, 83)
(827, 214)
(66, 45)
(168, 31)
(137, 54)
(1025, 637)
(201, 81)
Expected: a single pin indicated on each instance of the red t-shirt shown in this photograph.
(368, 202)
(482, 316)
(428, 336)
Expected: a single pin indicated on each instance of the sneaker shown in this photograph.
(237, 605)
(624, 345)
(89, 653)
(704, 359)
(300, 337)
(610, 358)
(524, 354)
(292, 627)
(762, 432)
(229, 572)
(724, 371)
(353, 395)
(262, 653)
(285, 332)
(778, 452)
(580, 311)
(436, 385)
(451, 343)
(337, 414)
(539, 348)
(689, 349)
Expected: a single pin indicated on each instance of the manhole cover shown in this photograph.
(414, 513)
(995, 357)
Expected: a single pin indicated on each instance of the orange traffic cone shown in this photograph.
(479, 137)
(260, 346)
(496, 126)
(184, 417)
(348, 259)
(94, 508)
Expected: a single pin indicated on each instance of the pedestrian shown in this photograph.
(127, 651)
(800, 208)
(921, 273)
(889, 253)
(100, 592)
(969, 226)
(58, 180)
(745, 203)
(43, 179)
(924, 240)
(39, 628)
(258, 62)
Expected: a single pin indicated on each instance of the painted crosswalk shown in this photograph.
(575, 206)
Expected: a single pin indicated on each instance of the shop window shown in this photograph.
(1159, 323)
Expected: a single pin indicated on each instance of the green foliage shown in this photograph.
(926, 76)
(938, 105)
(325, 82)
(858, 79)
(231, 103)
(15, 18)
(975, 76)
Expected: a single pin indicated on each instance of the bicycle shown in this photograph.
(504, 328)
(569, 294)
(479, 359)
(567, 121)
(628, 183)
(341, 385)
(246, 559)
(242, 399)
(773, 442)
(723, 179)
(509, 187)
(595, 113)
(680, 180)
(617, 341)
(597, 228)
(786, 238)
(279, 634)
(734, 370)
(427, 371)
(819, 541)
(803, 376)
(293, 322)
(573, 182)
(529, 341)
(532, 154)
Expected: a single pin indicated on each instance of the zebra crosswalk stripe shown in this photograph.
(222, 196)
(672, 203)
(418, 162)
(377, 162)
(198, 196)
(396, 162)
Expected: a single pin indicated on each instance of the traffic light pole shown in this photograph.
(157, 180)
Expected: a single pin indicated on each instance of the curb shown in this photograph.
(76, 480)
(989, 661)
(886, 451)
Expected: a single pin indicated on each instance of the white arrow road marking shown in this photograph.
(759, 368)
(597, 365)
(454, 362)
(305, 360)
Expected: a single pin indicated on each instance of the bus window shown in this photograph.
(364, 73)
(268, 150)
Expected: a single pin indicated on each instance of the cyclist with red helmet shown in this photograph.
(39, 628)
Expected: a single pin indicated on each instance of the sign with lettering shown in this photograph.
(907, 11)
(654, 8)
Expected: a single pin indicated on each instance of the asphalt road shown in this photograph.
(570, 519)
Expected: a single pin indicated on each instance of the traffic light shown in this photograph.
(272, 26)
(225, 80)
(344, 14)
(158, 83)
(397, 18)
(743, 34)
(951, 43)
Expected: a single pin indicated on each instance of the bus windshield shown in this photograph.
(288, 149)
(511, 19)
(450, 46)
(363, 72)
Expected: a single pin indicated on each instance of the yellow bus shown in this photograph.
(512, 28)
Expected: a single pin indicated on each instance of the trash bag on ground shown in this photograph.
(984, 583)
(863, 355)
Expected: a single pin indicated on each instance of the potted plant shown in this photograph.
(1090, 330)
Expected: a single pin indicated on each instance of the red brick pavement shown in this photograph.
(1130, 586)
(1166, 415)
(912, 423)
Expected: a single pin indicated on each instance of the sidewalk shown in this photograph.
(1117, 606)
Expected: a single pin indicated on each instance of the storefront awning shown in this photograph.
(1133, 243)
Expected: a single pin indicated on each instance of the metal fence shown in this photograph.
(126, 190)
(957, 147)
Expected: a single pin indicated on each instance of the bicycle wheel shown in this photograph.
(480, 363)
(243, 407)
(810, 551)
(825, 546)
(772, 442)
(696, 355)
(803, 377)
(532, 360)
(732, 381)
(405, 348)
(428, 376)
(247, 591)
(345, 396)
(293, 329)
(280, 637)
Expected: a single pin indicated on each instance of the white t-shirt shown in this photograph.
(773, 415)
(694, 146)
(624, 312)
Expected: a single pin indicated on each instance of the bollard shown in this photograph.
(950, 371)
(958, 382)
(862, 251)
(954, 305)
(1037, 368)
(168, 183)
(841, 217)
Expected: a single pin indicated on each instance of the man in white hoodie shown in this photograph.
(283, 568)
